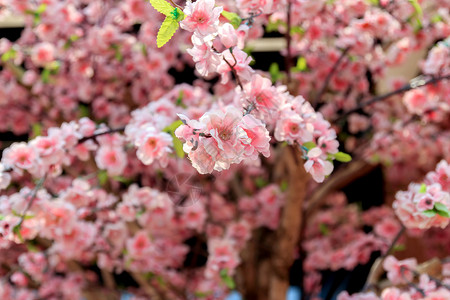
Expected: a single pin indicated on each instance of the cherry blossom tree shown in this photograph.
(129, 181)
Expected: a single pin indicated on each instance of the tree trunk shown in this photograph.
(288, 232)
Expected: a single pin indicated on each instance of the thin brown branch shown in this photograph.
(146, 287)
(233, 70)
(33, 196)
(108, 279)
(110, 131)
(413, 85)
(403, 269)
(394, 241)
(288, 59)
(438, 282)
(330, 75)
(336, 181)
(377, 268)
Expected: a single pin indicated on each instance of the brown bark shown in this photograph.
(338, 180)
(268, 256)
(288, 232)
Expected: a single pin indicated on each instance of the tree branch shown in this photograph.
(288, 59)
(339, 179)
(377, 268)
(86, 138)
(233, 70)
(412, 85)
(288, 232)
(330, 75)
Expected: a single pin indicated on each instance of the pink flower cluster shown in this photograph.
(99, 59)
(426, 205)
(145, 131)
(403, 285)
(138, 232)
(335, 238)
(219, 139)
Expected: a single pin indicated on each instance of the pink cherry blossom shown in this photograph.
(153, 145)
(43, 54)
(239, 60)
(139, 246)
(399, 271)
(112, 159)
(202, 54)
(5, 178)
(201, 17)
(21, 156)
(228, 35)
(317, 165)
(291, 127)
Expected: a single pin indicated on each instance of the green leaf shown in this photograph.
(10, 54)
(74, 38)
(45, 76)
(179, 101)
(284, 186)
(342, 157)
(37, 129)
(248, 50)
(16, 231)
(201, 294)
(229, 282)
(177, 14)
(441, 210)
(140, 213)
(297, 30)
(440, 206)
(399, 247)
(124, 180)
(161, 281)
(324, 229)
(54, 66)
(32, 248)
(144, 50)
(102, 177)
(418, 14)
(301, 64)
(37, 13)
(165, 33)
(275, 73)
(25, 217)
(2, 217)
(274, 26)
(172, 127)
(177, 144)
(309, 145)
(84, 110)
(41, 9)
(227, 279)
(162, 7)
(423, 188)
(436, 19)
(445, 214)
(117, 54)
(234, 18)
(261, 182)
(429, 213)
(417, 7)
